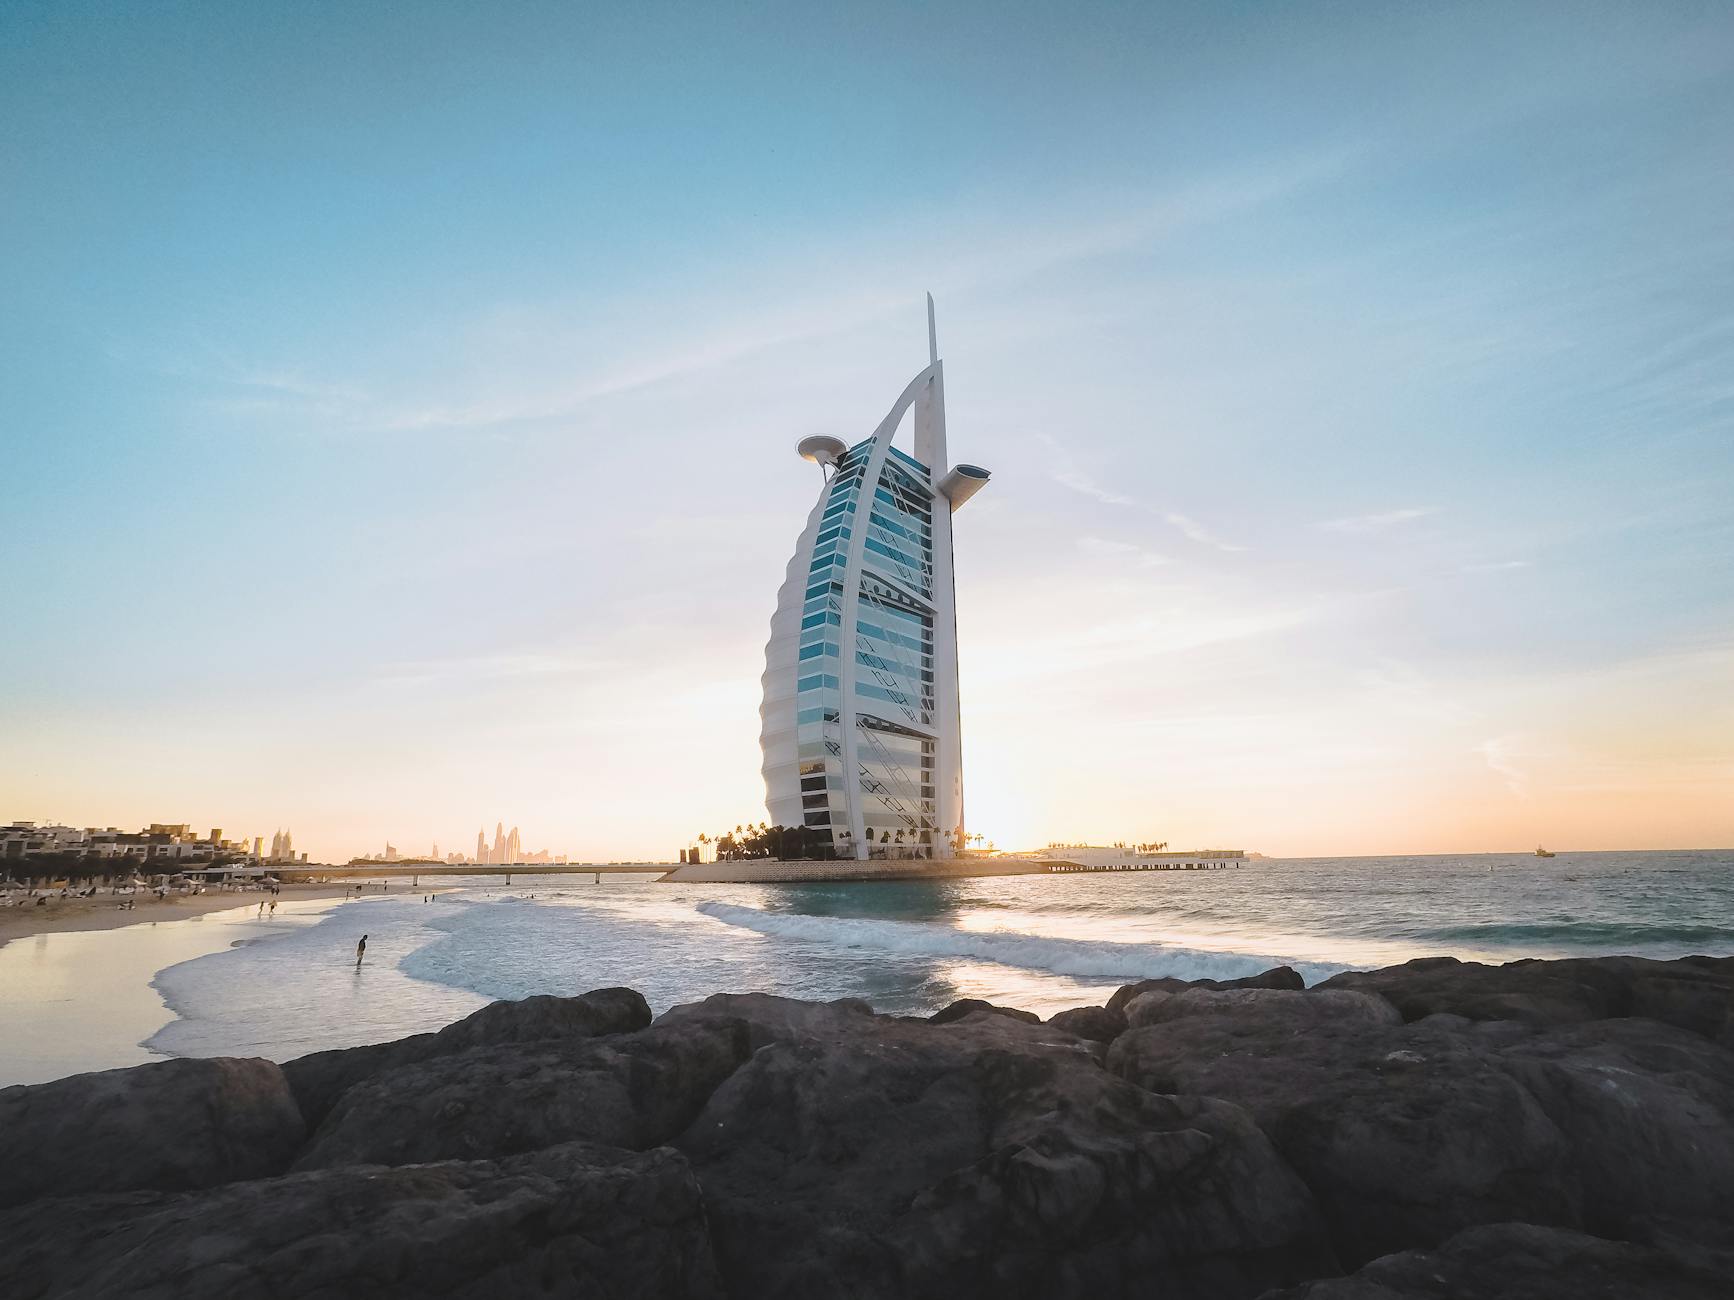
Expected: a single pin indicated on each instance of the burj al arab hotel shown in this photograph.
(860, 726)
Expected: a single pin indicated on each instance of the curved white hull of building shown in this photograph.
(859, 725)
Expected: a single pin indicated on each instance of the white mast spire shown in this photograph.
(932, 334)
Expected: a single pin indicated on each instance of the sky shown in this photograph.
(398, 408)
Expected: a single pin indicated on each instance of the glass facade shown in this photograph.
(860, 724)
(892, 776)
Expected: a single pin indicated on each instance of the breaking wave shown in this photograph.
(1078, 958)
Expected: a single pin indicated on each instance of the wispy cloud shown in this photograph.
(488, 668)
(1501, 754)
(999, 253)
(1375, 522)
(1198, 532)
(1066, 472)
(1106, 547)
(1082, 483)
(1497, 566)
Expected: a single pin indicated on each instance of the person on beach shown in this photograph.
(360, 951)
(261, 909)
(273, 907)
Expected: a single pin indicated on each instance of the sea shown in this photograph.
(1044, 943)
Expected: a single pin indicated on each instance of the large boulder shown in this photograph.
(986, 1157)
(1284, 1010)
(1694, 993)
(773, 1019)
(1098, 1024)
(1145, 1008)
(970, 1006)
(1648, 1111)
(1278, 977)
(169, 1126)
(1405, 1134)
(628, 1090)
(1522, 1261)
(528, 1020)
(569, 1221)
(321, 1078)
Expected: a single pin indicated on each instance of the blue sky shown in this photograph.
(397, 407)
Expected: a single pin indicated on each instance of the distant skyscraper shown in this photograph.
(277, 846)
(499, 853)
(860, 734)
(481, 849)
(514, 847)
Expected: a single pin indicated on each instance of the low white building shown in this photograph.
(158, 842)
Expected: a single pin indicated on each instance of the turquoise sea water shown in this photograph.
(1040, 942)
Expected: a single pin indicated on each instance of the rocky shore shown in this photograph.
(1433, 1130)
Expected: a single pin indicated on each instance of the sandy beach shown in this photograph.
(104, 912)
(76, 994)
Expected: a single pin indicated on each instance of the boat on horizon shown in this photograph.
(1543, 853)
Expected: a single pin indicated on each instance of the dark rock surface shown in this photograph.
(970, 1006)
(1448, 1130)
(1695, 993)
(568, 1221)
(1648, 1113)
(1278, 977)
(626, 1090)
(993, 1157)
(1098, 1024)
(1285, 1009)
(172, 1125)
(1409, 1133)
(771, 1019)
(1406, 1134)
(322, 1077)
(1521, 1261)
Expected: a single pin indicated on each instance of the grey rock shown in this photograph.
(321, 1078)
(772, 1019)
(1694, 993)
(986, 1157)
(1098, 1024)
(627, 1090)
(1405, 1134)
(970, 1006)
(569, 1221)
(1278, 977)
(1648, 1111)
(1522, 1261)
(1145, 1008)
(170, 1125)
(1284, 1008)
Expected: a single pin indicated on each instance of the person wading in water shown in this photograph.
(360, 950)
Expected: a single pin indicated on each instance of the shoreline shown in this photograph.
(82, 915)
(360, 871)
(78, 1000)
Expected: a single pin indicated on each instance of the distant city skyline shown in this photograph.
(375, 447)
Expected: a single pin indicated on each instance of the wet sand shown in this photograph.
(103, 912)
(78, 995)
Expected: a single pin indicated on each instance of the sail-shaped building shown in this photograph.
(860, 726)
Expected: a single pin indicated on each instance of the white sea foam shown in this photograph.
(1079, 958)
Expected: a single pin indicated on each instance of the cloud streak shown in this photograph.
(1107, 548)
(1067, 474)
(1376, 522)
(1199, 533)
